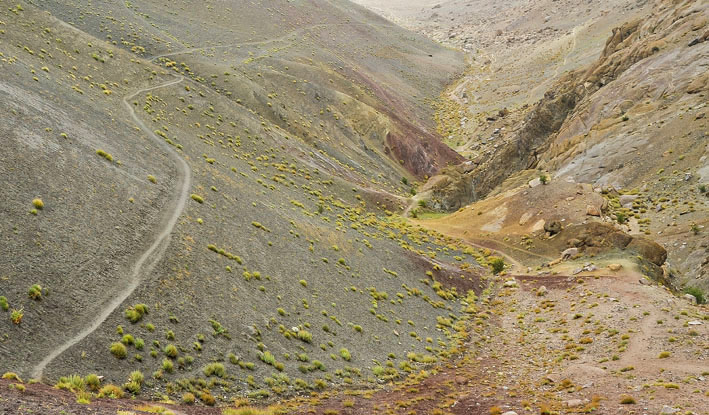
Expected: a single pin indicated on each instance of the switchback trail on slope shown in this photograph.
(156, 249)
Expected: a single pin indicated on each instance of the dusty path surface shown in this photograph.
(153, 253)
(262, 42)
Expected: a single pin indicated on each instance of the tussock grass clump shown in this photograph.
(135, 313)
(18, 387)
(38, 204)
(215, 369)
(111, 391)
(171, 351)
(188, 398)
(207, 398)
(11, 376)
(167, 365)
(74, 383)
(197, 198)
(267, 357)
(104, 155)
(4, 304)
(35, 292)
(127, 339)
(305, 336)
(345, 354)
(17, 315)
(119, 350)
(93, 382)
(627, 399)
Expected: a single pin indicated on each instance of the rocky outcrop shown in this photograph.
(596, 237)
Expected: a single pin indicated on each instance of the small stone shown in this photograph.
(573, 403)
(542, 291)
(534, 183)
(668, 410)
(692, 299)
(627, 201)
(510, 413)
(460, 380)
(510, 284)
(695, 323)
(592, 211)
(615, 267)
(569, 253)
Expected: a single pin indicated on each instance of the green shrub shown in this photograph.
(497, 264)
(38, 203)
(197, 198)
(4, 304)
(127, 339)
(621, 217)
(345, 354)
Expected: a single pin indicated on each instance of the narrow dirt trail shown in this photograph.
(155, 251)
(261, 42)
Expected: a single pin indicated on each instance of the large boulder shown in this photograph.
(649, 250)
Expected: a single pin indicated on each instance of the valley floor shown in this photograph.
(602, 341)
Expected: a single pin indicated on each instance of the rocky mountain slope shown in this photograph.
(206, 200)
(268, 207)
(632, 124)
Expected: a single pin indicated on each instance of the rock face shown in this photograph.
(558, 128)
(596, 237)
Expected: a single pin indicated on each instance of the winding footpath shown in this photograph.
(155, 251)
